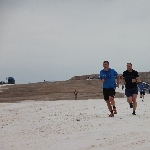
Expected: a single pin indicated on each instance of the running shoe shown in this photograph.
(111, 115)
(133, 113)
(115, 111)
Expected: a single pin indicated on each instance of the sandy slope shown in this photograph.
(46, 91)
(74, 125)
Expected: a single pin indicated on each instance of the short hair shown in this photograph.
(129, 63)
(106, 62)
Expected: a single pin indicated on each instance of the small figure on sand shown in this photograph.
(75, 93)
(142, 88)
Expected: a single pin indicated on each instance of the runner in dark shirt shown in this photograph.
(130, 79)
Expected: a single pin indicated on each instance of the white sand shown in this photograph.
(2, 87)
(74, 125)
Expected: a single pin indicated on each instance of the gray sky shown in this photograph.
(57, 39)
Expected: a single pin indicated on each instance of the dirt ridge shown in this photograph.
(59, 90)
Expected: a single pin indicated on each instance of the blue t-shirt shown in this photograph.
(109, 78)
(142, 87)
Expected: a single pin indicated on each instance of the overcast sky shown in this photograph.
(58, 39)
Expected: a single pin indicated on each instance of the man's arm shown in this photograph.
(138, 79)
(101, 80)
(117, 76)
(123, 81)
(118, 81)
(100, 77)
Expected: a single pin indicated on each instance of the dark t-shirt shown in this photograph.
(128, 78)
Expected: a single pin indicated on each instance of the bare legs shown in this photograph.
(142, 96)
(111, 99)
(132, 99)
(111, 103)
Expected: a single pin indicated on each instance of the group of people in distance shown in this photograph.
(130, 78)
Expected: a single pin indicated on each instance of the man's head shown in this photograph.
(106, 65)
(129, 66)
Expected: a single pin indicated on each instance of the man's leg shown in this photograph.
(129, 100)
(112, 101)
(142, 97)
(75, 97)
(106, 98)
(110, 108)
(134, 103)
(112, 94)
(129, 97)
(109, 105)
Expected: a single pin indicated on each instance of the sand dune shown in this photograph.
(46, 91)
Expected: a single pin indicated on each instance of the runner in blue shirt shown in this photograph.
(142, 88)
(107, 76)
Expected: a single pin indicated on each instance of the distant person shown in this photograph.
(130, 79)
(75, 93)
(122, 86)
(142, 88)
(107, 77)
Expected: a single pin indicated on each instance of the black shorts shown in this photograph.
(108, 92)
(142, 93)
(130, 92)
